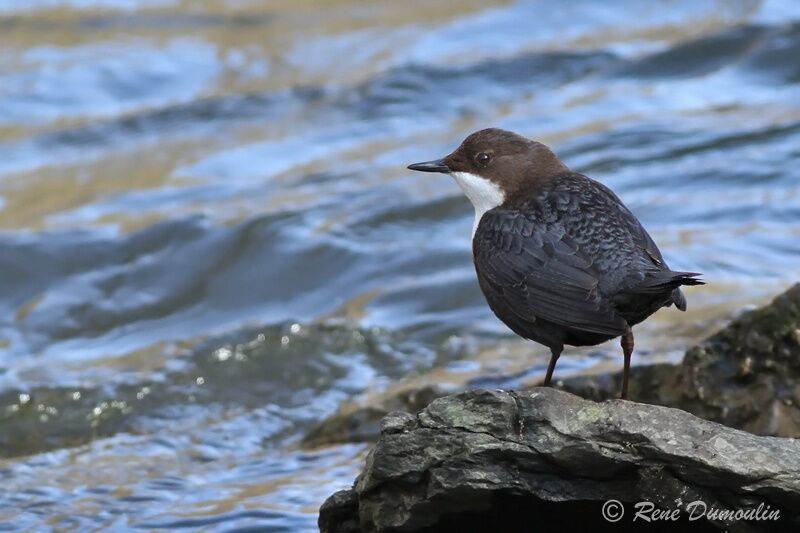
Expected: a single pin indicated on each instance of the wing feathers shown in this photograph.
(541, 272)
(574, 255)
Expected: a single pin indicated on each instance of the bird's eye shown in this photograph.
(483, 158)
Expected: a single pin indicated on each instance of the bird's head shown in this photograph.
(492, 164)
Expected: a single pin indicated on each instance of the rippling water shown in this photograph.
(208, 239)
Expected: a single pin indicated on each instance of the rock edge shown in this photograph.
(500, 461)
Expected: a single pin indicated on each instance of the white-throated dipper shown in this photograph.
(559, 257)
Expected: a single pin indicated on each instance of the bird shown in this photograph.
(559, 258)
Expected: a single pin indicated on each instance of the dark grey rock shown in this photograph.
(506, 461)
(339, 513)
(745, 376)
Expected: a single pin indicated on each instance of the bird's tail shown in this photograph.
(684, 278)
(666, 280)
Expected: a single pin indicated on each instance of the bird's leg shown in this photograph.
(627, 349)
(554, 355)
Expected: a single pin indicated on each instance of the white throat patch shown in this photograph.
(483, 194)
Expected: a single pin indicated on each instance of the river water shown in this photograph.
(209, 241)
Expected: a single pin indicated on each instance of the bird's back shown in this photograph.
(621, 250)
(574, 246)
(633, 273)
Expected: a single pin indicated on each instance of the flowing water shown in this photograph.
(209, 241)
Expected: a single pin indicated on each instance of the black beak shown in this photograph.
(430, 166)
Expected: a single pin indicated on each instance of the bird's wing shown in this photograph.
(653, 279)
(540, 272)
(635, 228)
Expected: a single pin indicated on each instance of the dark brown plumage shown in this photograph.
(559, 257)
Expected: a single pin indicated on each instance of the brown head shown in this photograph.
(493, 165)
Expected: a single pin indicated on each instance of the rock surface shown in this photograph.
(745, 376)
(505, 461)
